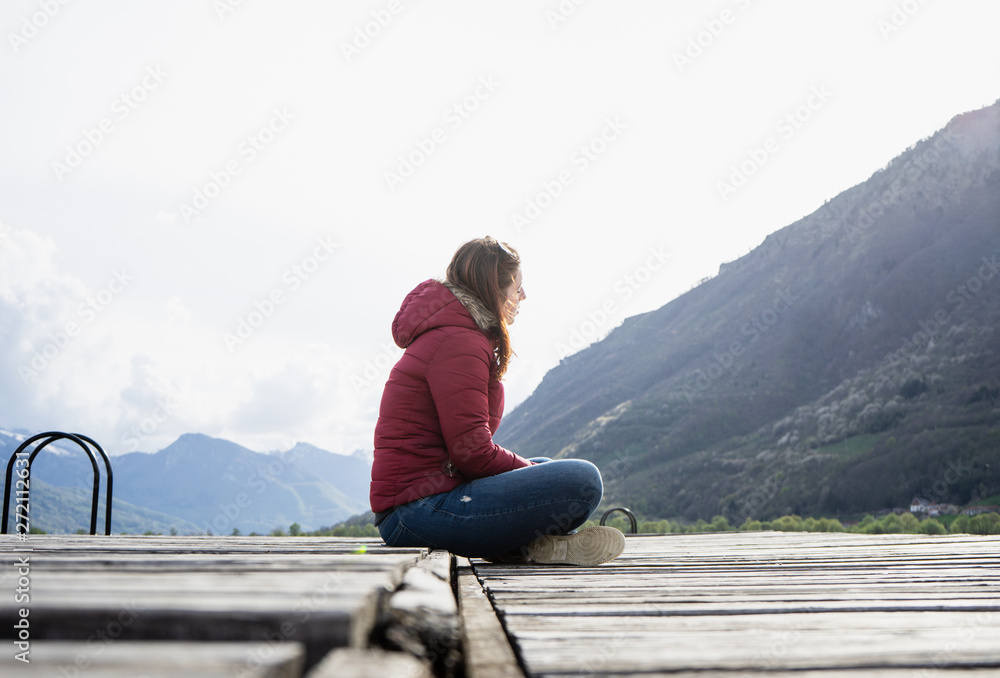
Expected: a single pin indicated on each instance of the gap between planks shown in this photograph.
(486, 647)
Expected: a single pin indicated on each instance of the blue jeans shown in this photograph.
(501, 513)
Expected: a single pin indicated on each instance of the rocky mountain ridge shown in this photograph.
(860, 339)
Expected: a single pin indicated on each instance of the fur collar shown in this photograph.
(483, 317)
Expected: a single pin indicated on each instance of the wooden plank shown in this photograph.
(421, 616)
(322, 593)
(807, 641)
(488, 653)
(720, 603)
(194, 544)
(761, 644)
(590, 610)
(357, 663)
(609, 671)
(61, 587)
(157, 660)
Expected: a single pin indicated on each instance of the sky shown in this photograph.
(210, 210)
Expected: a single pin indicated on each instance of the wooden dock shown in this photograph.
(802, 605)
(735, 604)
(270, 606)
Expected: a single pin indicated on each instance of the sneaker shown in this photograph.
(588, 547)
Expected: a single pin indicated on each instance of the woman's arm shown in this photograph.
(458, 378)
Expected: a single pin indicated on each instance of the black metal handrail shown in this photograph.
(84, 443)
(631, 517)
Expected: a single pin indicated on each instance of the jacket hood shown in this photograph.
(433, 304)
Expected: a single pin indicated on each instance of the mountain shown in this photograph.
(205, 484)
(64, 510)
(846, 364)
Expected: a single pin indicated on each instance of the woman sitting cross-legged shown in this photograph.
(438, 479)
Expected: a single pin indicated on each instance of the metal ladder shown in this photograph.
(24, 475)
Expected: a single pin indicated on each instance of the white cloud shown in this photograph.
(40, 323)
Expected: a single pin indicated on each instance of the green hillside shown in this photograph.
(846, 364)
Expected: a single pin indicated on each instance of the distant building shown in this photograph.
(919, 505)
(976, 510)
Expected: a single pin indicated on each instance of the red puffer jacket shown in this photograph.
(442, 401)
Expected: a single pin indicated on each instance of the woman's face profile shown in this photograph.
(513, 296)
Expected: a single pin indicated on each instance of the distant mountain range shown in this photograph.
(847, 364)
(197, 485)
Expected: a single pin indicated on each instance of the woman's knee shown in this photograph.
(584, 479)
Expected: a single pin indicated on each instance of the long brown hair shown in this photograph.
(484, 267)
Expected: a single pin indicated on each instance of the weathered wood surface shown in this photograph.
(735, 604)
(357, 663)
(421, 618)
(784, 604)
(157, 660)
(323, 593)
(488, 653)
